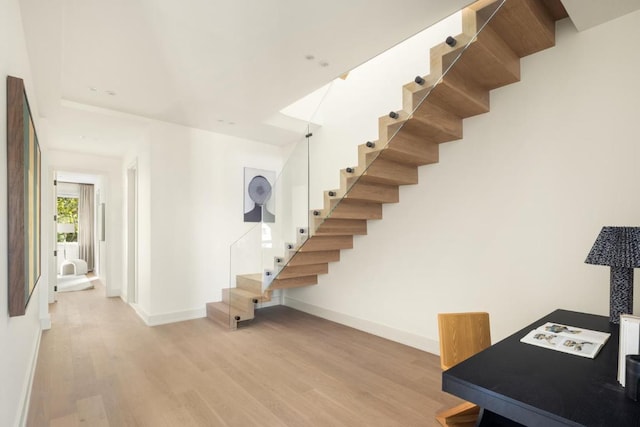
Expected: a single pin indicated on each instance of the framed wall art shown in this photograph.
(24, 198)
(259, 200)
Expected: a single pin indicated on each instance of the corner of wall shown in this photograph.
(141, 313)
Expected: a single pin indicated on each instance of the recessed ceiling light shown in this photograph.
(323, 63)
(232, 123)
(220, 121)
(110, 92)
(93, 89)
(309, 57)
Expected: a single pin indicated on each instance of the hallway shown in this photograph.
(100, 365)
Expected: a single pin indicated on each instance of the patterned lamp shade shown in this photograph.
(616, 247)
(619, 248)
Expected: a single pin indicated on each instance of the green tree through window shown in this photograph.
(68, 214)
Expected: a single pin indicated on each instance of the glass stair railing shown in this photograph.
(256, 258)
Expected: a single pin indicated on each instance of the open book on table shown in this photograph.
(567, 339)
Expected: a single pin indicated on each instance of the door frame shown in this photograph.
(132, 233)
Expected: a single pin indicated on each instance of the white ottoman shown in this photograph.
(73, 266)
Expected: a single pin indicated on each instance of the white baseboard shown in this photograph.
(29, 383)
(163, 319)
(397, 335)
(113, 292)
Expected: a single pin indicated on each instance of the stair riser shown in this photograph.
(527, 27)
(387, 172)
(401, 150)
(224, 314)
(406, 151)
(461, 96)
(388, 127)
(250, 285)
(348, 209)
(489, 62)
(439, 52)
(296, 282)
(238, 301)
(290, 272)
(438, 125)
(219, 317)
(316, 257)
(340, 227)
(378, 193)
(326, 243)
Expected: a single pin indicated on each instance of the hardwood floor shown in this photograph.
(100, 365)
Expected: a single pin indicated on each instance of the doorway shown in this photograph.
(76, 198)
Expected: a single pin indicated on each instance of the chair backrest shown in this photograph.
(461, 336)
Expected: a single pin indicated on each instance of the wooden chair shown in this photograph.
(461, 336)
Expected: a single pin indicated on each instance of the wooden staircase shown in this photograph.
(434, 107)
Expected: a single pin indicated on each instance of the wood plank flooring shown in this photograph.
(100, 365)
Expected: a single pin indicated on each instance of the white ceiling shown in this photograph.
(225, 66)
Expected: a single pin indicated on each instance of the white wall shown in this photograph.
(504, 222)
(190, 185)
(111, 193)
(19, 336)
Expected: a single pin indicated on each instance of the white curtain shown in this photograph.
(85, 224)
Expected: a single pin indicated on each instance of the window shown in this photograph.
(68, 214)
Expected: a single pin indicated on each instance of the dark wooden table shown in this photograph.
(535, 386)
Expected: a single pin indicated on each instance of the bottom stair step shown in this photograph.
(225, 315)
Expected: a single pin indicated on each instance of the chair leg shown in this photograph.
(463, 415)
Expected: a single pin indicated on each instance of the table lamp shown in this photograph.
(619, 248)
